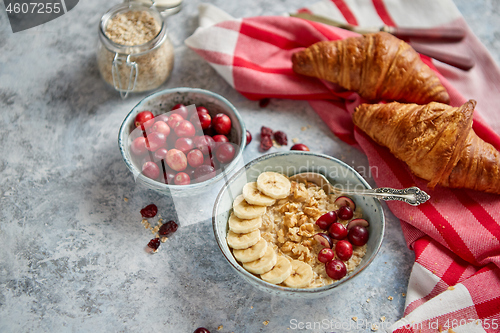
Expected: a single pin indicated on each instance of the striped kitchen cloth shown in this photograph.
(455, 281)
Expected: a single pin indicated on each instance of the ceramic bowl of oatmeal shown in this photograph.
(266, 225)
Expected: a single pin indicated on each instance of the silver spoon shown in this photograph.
(411, 195)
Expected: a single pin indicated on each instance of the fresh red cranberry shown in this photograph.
(154, 243)
(345, 213)
(264, 102)
(176, 160)
(138, 146)
(185, 129)
(155, 141)
(281, 138)
(143, 118)
(265, 143)
(149, 211)
(174, 119)
(266, 131)
(168, 228)
(220, 138)
(358, 235)
(184, 144)
(201, 330)
(170, 176)
(325, 220)
(161, 127)
(325, 255)
(181, 110)
(212, 161)
(299, 146)
(323, 239)
(163, 117)
(201, 109)
(195, 158)
(225, 152)
(182, 178)
(204, 172)
(249, 138)
(338, 231)
(336, 269)
(205, 120)
(151, 170)
(204, 143)
(221, 123)
(343, 249)
(161, 154)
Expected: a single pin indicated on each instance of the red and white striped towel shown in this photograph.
(455, 281)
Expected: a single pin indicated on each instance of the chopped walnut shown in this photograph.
(312, 203)
(290, 220)
(281, 236)
(308, 243)
(293, 234)
(287, 247)
(302, 219)
(303, 253)
(312, 212)
(307, 230)
(300, 193)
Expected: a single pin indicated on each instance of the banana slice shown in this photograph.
(264, 264)
(274, 185)
(252, 253)
(301, 275)
(240, 226)
(253, 196)
(242, 241)
(245, 211)
(280, 272)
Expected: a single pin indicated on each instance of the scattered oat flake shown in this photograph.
(355, 318)
(125, 199)
(403, 294)
(163, 239)
(368, 300)
(251, 307)
(220, 327)
(374, 327)
(382, 319)
(451, 331)
(451, 288)
(303, 128)
(390, 298)
(266, 322)
(295, 140)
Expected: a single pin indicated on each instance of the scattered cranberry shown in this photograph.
(264, 102)
(299, 146)
(161, 154)
(249, 137)
(266, 143)
(142, 119)
(338, 231)
(343, 249)
(151, 170)
(336, 269)
(222, 123)
(149, 211)
(182, 178)
(155, 141)
(184, 144)
(161, 127)
(176, 160)
(204, 172)
(201, 330)
(181, 110)
(220, 138)
(195, 158)
(201, 109)
(281, 138)
(168, 228)
(138, 146)
(326, 220)
(358, 235)
(173, 119)
(154, 243)
(266, 131)
(225, 152)
(345, 213)
(325, 255)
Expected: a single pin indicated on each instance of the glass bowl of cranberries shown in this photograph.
(182, 141)
(337, 236)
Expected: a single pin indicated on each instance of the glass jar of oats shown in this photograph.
(134, 52)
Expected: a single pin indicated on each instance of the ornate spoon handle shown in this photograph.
(412, 195)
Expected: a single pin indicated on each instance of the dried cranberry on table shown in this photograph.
(266, 143)
(149, 211)
(154, 243)
(265, 131)
(168, 228)
(201, 330)
(281, 138)
(299, 146)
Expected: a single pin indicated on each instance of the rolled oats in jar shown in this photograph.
(134, 52)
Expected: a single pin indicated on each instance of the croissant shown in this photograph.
(436, 141)
(377, 66)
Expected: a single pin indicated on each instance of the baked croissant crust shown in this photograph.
(377, 66)
(436, 141)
